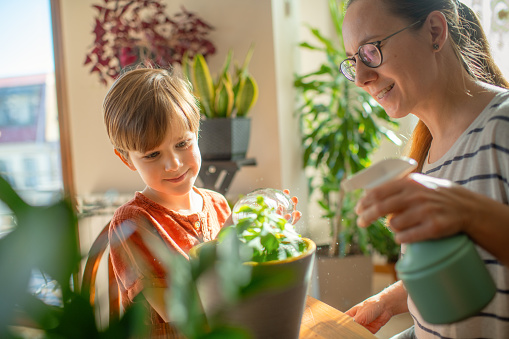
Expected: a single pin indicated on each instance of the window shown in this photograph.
(29, 131)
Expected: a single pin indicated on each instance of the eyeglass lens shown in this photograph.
(369, 55)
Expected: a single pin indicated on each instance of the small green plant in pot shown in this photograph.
(271, 265)
(225, 103)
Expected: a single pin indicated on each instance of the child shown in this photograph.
(152, 121)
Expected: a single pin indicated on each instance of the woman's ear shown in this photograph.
(124, 160)
(438, 29)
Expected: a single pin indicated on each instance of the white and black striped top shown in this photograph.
(479, 161)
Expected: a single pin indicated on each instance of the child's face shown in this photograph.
(171, 168)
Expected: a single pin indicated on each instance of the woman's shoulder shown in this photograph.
(500, 101)
(496, 112)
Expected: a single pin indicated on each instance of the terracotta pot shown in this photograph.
(274, 312)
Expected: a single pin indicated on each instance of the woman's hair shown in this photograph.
(141, 104)
(470, 46)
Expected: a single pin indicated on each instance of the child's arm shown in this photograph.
(156, 299)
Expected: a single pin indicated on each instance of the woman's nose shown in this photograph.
(364, 74)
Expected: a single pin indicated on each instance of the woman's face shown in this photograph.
(401, 83)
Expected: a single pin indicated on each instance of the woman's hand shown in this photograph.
(420, 208)
(376, 311)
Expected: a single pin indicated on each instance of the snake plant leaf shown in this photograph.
(247, 60)
(246, 96)
(204, 87)
(226, 65)
(224, 98)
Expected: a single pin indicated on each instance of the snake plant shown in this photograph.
(228, 96)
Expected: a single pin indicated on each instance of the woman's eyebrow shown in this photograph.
(367, 39)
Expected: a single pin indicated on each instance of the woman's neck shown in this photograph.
(455, 112)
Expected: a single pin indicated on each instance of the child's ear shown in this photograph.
(124, 160)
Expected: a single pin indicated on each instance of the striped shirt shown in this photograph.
(479, 161)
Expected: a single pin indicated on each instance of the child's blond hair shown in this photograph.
(141, 104)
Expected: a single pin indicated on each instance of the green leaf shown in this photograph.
(224, 97)
(203, 85)
(246, 96)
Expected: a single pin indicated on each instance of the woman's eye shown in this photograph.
(151, 155)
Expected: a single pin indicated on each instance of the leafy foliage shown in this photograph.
(139, 31)
(341, 127)
(267, 234)
(227, 96)
(44, 239)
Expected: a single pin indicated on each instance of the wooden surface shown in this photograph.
(323, 321)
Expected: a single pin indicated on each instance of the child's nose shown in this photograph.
(173, 163)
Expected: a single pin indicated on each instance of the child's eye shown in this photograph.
(151, 155)
(184, 143)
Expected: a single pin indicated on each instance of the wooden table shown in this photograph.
(323, 321)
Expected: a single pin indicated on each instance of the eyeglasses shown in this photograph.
(369, 53)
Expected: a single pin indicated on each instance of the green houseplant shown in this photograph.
(341, 128)
(225, 103)
(45, 239)
(256, 278)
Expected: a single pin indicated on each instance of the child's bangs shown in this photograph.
(151, 121)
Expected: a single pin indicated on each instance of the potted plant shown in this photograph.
(45, 239)
(253, 280)
(139, 31)
(225, 103)
(341, 128)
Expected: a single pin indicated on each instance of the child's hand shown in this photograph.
(295, 215)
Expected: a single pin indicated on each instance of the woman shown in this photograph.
(431, 59)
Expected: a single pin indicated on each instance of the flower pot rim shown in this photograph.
(310, 250)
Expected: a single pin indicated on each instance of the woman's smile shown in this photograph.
(383, 92)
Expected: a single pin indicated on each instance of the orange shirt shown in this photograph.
(140, 223)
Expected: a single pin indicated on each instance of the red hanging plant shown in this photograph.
(131, 31)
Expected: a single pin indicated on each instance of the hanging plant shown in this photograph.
(132, 31)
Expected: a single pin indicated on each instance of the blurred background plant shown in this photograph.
(44, 239)
(139, 31)
(341, 128)
(227, 96)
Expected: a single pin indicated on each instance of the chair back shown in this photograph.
(88, 286)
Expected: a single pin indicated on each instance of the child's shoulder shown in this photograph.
(215, 196)
(216, 199)
(130, 210)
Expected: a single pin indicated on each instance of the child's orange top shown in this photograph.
(138, 221)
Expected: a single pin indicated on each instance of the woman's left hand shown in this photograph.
(419, 207)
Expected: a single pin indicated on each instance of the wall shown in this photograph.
(237, 25)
